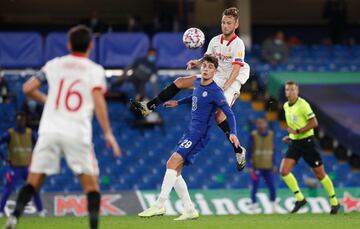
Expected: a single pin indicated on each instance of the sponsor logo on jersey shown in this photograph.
(223, 57)
(293, 118)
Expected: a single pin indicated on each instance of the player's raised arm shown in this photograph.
(193, 63)
(102, 117)
(174, 103)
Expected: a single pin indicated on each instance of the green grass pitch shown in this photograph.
(299, 221)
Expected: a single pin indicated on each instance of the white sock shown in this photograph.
(273, 204)
(167, 184)
(182, 191)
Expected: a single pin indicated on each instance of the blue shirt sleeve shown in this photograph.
(185, 100)
(220, 102)
(5, 138)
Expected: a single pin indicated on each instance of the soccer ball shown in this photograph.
(193, 38)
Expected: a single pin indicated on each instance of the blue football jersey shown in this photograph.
(205, 101)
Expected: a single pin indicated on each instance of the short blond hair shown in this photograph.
(232, 11)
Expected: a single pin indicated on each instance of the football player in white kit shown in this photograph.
(232, 73)
(76, 89)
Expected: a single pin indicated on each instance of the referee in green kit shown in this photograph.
(301, 122)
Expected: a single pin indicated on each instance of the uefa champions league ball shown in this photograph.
(193, 38)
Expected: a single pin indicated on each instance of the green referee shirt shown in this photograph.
(297, 116)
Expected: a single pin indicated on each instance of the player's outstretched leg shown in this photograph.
(145, 108)
(181, 189)
(240, 152)
(25, 195)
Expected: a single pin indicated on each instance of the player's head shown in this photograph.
(230, 21)
(79, 39)
(261, 124)
(291, 90)
(208, 66)
(20, 119)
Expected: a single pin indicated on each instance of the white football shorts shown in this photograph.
(49, 149)
(233, 92)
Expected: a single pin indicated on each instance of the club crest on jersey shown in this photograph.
(293, 118)
(204, 94)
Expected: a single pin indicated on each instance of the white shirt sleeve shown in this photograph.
(98, 80)
(238, 53)
(210, 49)
(48, 71)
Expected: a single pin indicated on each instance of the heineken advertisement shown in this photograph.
(208, 202)
(224, 202)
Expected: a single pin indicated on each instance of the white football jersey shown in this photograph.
(69, 106)
(228, 53)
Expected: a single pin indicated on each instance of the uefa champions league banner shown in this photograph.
(208, 202)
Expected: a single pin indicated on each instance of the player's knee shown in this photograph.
(91, 188)
(171, 164)
(174, 161)
(284, 172)
(320, 175)
(35, 180)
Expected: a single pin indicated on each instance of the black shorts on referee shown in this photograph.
(306, 148)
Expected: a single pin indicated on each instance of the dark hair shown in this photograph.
(79, 38)
(152, 49)
(290, 82)
(211, 59)
(232, 11)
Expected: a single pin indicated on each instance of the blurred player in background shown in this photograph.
(301, 122)
(206, 99)
(261, 160)
(233, 72)
(20, 141)
(76, 88)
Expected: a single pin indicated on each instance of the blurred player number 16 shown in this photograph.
(70, 92)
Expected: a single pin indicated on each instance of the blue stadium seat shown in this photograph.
(20, 50)
(56, 45)
(117, 50)
(171, 52)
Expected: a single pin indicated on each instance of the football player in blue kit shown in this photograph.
(206, 98)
